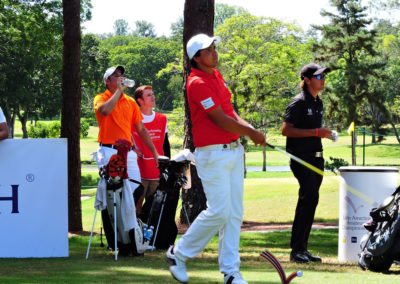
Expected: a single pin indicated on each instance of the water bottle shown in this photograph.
(145, 232)
(128, 82)
(150, 232)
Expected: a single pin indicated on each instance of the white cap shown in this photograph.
(111, 70)
(199, 42)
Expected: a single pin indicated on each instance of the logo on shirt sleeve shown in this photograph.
(207, 103)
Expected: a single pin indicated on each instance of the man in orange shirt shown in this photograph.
(116, 114)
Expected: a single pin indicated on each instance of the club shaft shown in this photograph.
(320, 172)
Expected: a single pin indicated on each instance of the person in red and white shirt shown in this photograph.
(219, 163)
(156, 125)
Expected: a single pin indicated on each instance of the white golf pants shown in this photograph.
(221, 173)
(104, 154)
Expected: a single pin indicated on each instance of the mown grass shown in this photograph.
(152, 268)
(269, 197)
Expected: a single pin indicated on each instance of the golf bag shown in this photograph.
(120, 206)
(129, 242)
(381, 246)
(165, 201)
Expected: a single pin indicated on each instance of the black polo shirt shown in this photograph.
(304, 112)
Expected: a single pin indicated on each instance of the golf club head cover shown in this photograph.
(117, 166)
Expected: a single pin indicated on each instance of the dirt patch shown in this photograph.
(250, 226)
(247, 226)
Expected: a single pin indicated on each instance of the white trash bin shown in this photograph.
(361, 189)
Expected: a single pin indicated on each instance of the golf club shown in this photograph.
(91, 234)
(320, 172)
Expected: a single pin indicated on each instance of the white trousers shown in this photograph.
(222, 174)
(104, 154)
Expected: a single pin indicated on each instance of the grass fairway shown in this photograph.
(152, 268)
(269, 197)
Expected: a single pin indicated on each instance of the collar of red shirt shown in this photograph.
(198, 72)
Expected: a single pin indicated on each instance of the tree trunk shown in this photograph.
(395, 131)
(71, 108)
(10, 115)
(198, 18)
(264, 167)
(23, 119)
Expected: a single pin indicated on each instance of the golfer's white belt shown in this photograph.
(230, 146)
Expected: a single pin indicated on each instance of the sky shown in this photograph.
(161, 13)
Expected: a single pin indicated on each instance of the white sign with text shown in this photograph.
(33, 198)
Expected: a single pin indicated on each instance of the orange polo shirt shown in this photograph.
(119, 122)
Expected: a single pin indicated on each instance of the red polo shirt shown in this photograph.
(205, 93)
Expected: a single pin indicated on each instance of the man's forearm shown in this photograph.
(106, 108)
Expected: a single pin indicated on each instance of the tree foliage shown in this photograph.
(30, 59)
(260, 59)
(144, 29)
(225, 11)
(143, 59)
(121, 27)
(348, 47)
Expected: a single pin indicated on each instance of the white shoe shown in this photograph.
(234, 278)
(176, 266)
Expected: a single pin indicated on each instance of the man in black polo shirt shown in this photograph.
(303, 128)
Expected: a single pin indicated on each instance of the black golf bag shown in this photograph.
(129, 242)
(159, 210)
(381, 246)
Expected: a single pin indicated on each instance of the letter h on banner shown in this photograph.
(13, 198)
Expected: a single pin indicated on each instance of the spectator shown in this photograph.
(156, 125)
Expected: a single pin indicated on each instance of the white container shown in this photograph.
(361, 189)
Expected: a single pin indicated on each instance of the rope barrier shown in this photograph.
(362, 130)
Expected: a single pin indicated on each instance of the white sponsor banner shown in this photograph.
(33, 198)
(369, 186)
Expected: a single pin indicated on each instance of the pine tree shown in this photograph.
(347, 47)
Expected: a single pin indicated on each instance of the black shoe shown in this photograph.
(299, 257)
(312, 257)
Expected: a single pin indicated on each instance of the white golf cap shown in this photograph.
(199, 42)
(111, 70)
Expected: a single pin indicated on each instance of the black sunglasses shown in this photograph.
(320, 76)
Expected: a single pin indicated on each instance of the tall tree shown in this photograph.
(198, 18)
(224, 11)
(347, 46)
(30, 56)
(121, 27)
(260, 59)
(177, 30)
(71, 107)
(144, 29)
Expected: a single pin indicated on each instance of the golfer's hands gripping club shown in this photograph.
(258, 138)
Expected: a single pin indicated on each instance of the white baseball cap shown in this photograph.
(199, 42)
(111, 70)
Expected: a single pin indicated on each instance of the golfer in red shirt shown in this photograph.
(219, 162)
